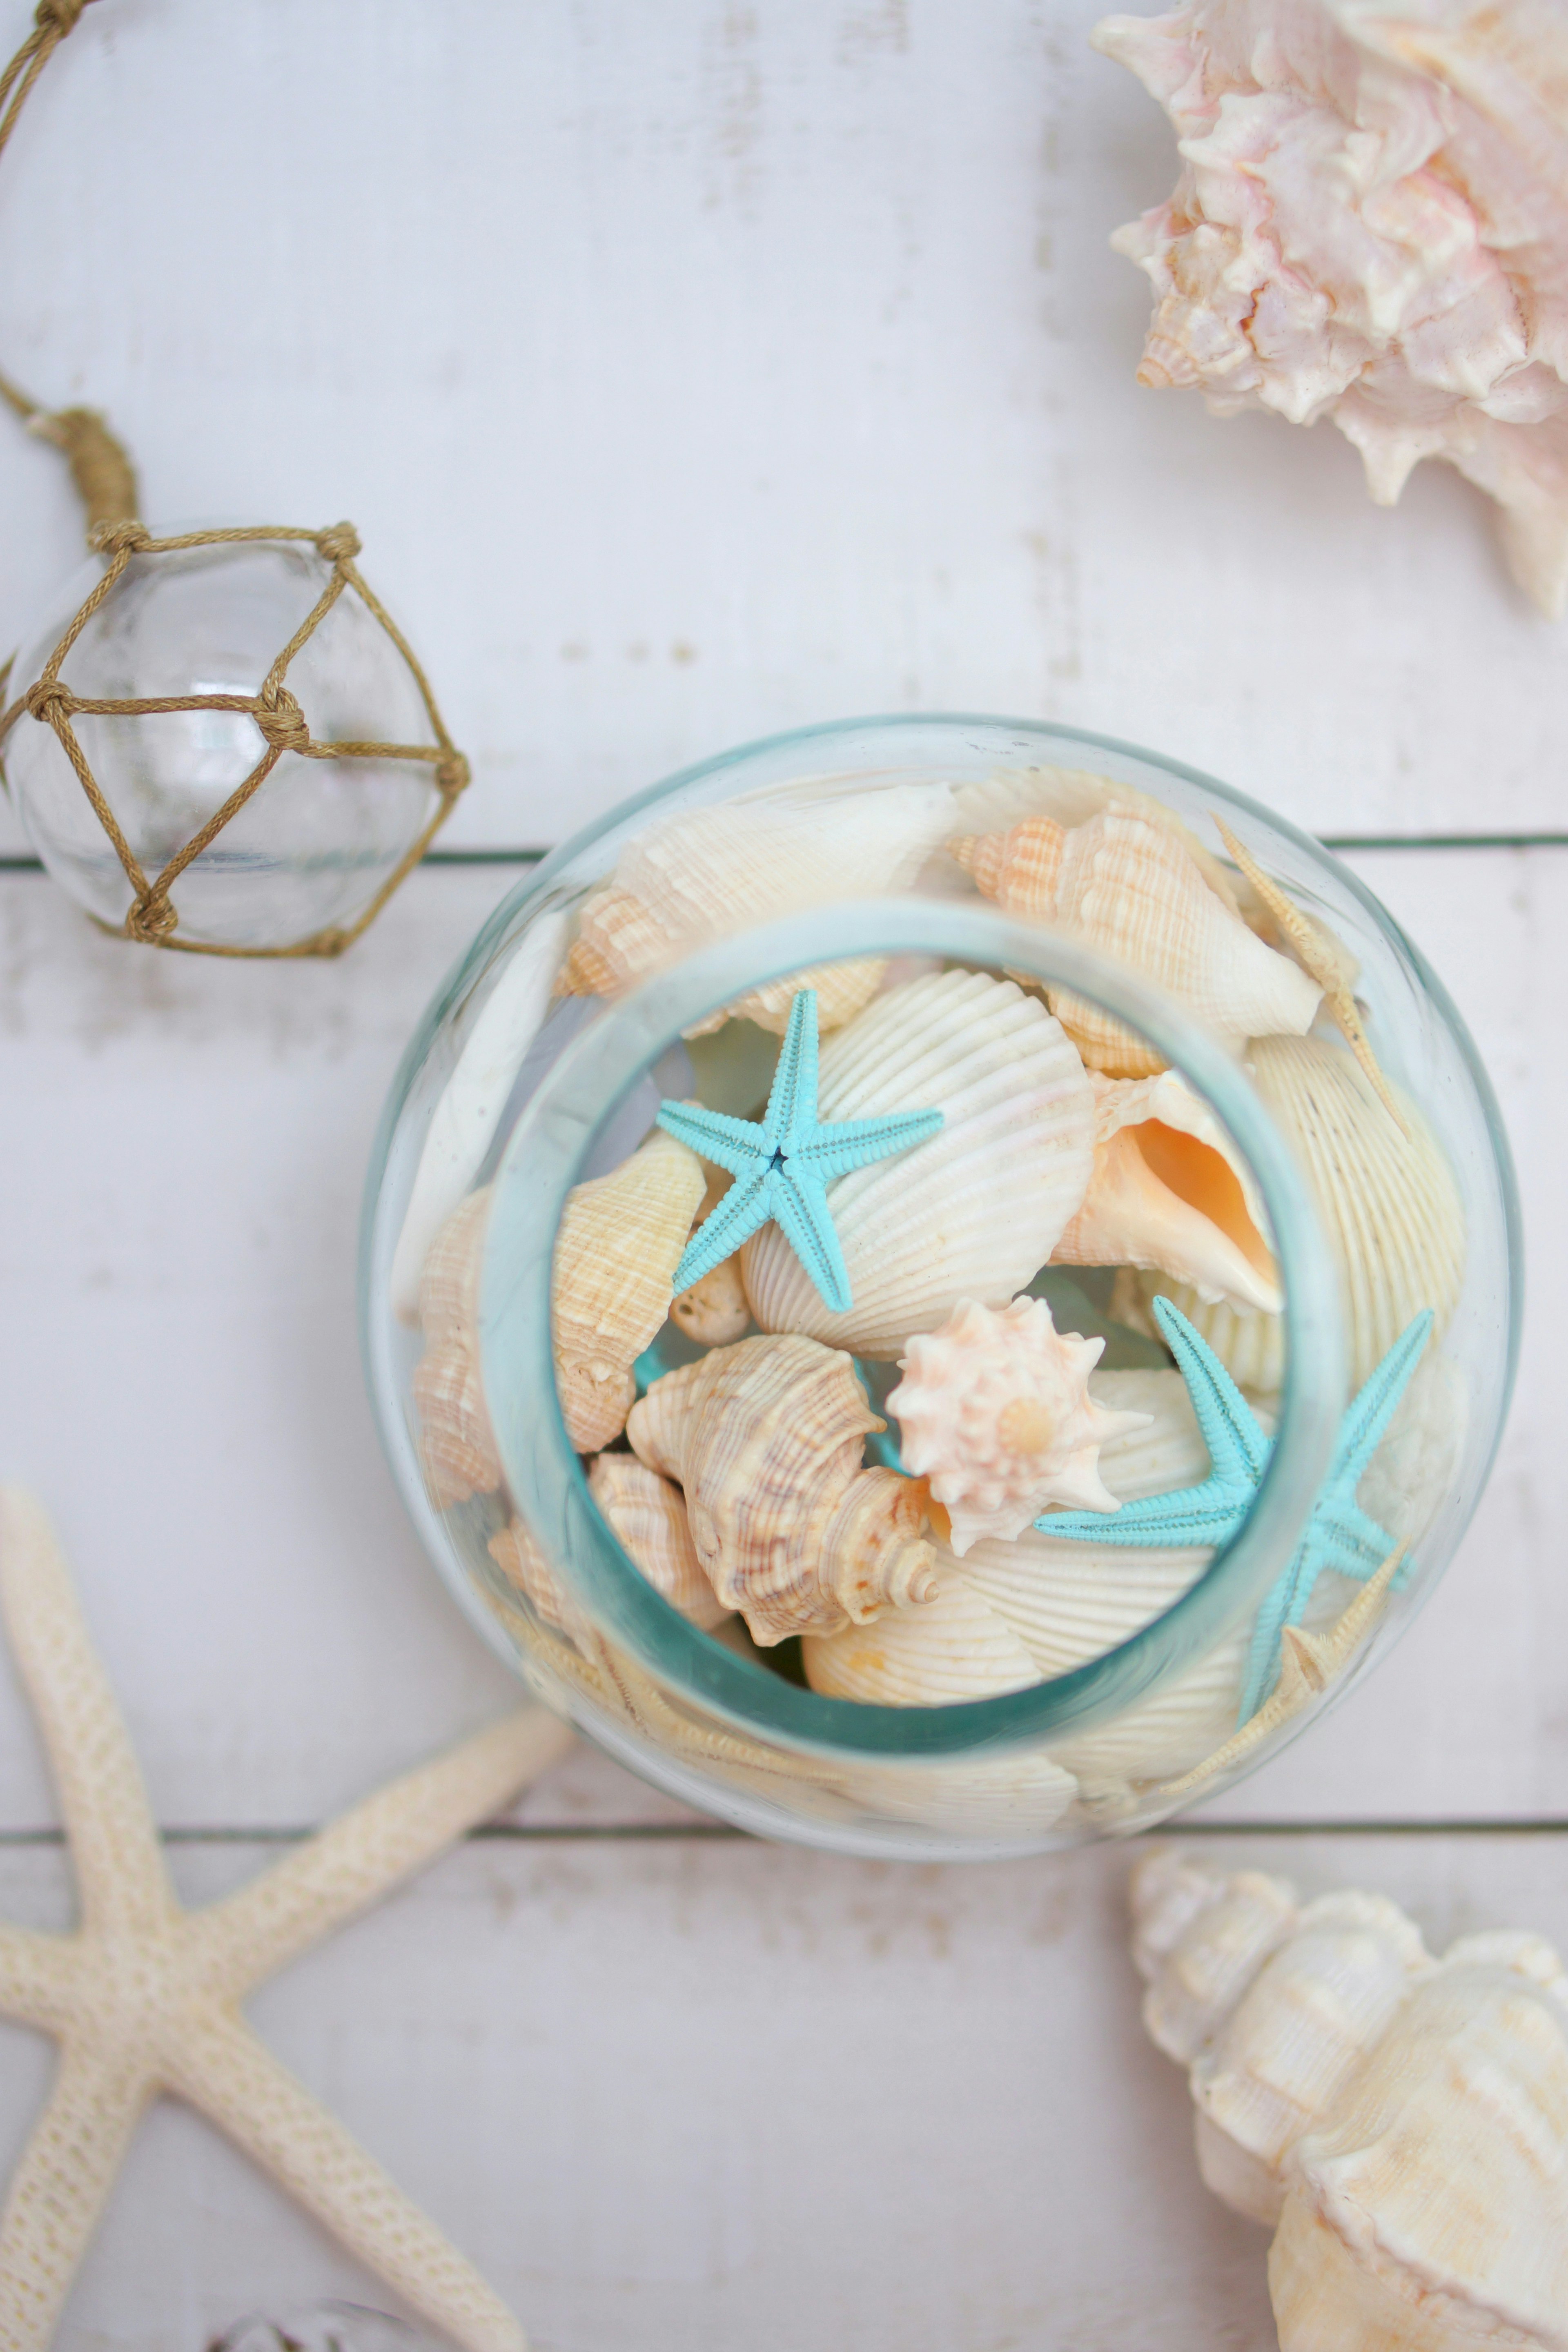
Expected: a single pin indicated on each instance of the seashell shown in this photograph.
(1171, 1192)
(707, 871)
(951, 1648)
(1370, 224)
(715, 1311)
(977, 1213)
(994, 1413)
(456, 1444)
(1128, 887)
(464, 1123)
(619, 1244)
(766, 1438)
(648, 1516)
(1390, 1209)
(1020, 868)
(1404, 2120)
(1071, 795)
(524, 1564)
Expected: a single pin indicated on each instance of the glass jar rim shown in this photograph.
(542, 1161)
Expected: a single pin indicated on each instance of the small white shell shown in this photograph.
(648, 1516)
(714, 1312)
(974, 1212)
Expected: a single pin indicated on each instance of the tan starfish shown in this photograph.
(1308, 1665)
(144, 1998)
(1321, 956)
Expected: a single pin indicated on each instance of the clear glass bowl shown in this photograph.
(1130, 1701)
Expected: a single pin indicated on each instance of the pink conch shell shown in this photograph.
(1171, 1192)
(648, 1517)
(456, 1443)
(1371, 224)
(993, 1411)
(765, 1439)
(1126, 884)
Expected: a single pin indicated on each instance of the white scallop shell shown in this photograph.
(974, 1212)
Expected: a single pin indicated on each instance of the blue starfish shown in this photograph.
(1339, 1535)
(782, 1167)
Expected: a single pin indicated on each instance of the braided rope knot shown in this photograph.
(452, 772)
(338, 542)
(117, 537)
(282, 721)
(48, 699)
(151, 920)
(59, 17)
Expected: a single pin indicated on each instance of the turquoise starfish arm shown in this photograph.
(1236, 1445)
(747, 1204)
(1362, 1431)
(792, 1098)
(800, 1209)
(855, 1142)
(730, 1143)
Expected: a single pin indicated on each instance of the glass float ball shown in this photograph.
(315, 843)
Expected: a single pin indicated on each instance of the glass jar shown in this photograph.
(1282, 1200)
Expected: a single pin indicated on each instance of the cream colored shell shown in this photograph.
(974, 1212)
(457, 1446)
(1171, 1192)
(648, 1516)
(1404, 2120)
(1387, 1200)
(619, 1244)
(714, 1312)
(765, 1439)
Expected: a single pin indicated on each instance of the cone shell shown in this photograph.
(1170, 1193)
(707, 871)
(648, 1516)
(1390, 1209)
(456, 1444)
(620, 1242)
(714, 1312)
(974, 1212)
(766, 1438)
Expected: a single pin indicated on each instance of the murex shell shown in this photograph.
(1126, 886)
(766, 1438)
(648, 1516)
(994, 1413)
(1371, 223)
(1403, 2120)
(620, 1241)
(1388, 1203)
(974, 1212)
(707, 871)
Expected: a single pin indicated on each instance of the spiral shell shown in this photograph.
(647, 1517)
(977, 1210)
(619, 1244)
(456, 1444)
(766, 1438)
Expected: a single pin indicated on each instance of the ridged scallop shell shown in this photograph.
(995, 1414)
(766, 1438)
(1130, 889)
(456, 1444)
(951, 1648)
(619, 1244)
(1404, 2119)
(1170, 1192)
(1389, 1205)
(972, 1213)
(1370, 224)
(707, 871)
(648, 1516)
(714, 1312)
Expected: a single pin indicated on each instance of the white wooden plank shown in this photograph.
(704, 2095)
(699, 371)
(178, 1203)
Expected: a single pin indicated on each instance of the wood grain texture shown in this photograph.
(700, 371)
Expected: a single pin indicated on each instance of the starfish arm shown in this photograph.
(1236, 1445)
(38, 1976)
(1343, 1537)
(1362, 1430)
(1288, 1592)
(227, 2074)
(120, 1867)
(792, 1099)
(747, 1204)
(850, 1143)
(736, 1144)
(60, 2188)
(1209, 1514)
(800, 1209)
(369, 1850)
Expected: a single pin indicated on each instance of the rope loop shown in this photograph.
(152, 920)
(119, 537)
(48, 699)
(338, 542)
(282, 721)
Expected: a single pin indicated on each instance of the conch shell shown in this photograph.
(648, 1518)
(619, 1244)
(1171, 1192)
(456, 1441)
(1126, 884)
(1403, 2120)
(993, 1411)
(1387, 1200)
(707, 871)
(1371, 223)
(976, 1211)
(766, 1438)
